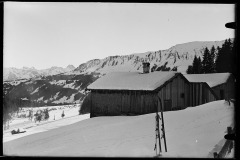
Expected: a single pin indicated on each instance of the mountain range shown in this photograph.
(12, 73)
(177, 58)
(31, 87)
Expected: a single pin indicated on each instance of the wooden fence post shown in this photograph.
(227, 146)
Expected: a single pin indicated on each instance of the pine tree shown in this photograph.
(195, 65)
(207, 64)
(190, 69)
(199, 65)
(212, 60)
(225, 57)
(230, 56)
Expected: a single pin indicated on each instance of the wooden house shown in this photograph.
(127, 93)
(200, 93)
(223, 84)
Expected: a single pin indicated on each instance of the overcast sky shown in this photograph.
(42, 35)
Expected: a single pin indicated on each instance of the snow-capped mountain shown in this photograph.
(26, 73)
(177, 58)
(69, 68)
(58, 85)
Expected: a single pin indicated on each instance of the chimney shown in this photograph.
(146, 67)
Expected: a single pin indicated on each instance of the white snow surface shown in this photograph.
(65, 99)
(193, 132)
(24, 98)
(40, 99)
(55, 120)
(212, 79)
(132, 80)
(71, 85)
(36, 90)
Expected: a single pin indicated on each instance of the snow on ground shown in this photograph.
(193, 132)
(59, 82)
(36, 90)
(231, 154)
(71, 116)
(55, 96)
(40, 99)
(70, 85)
(65, 99)
(17, 82)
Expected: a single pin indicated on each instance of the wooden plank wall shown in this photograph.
(228, 87)
(218, 88)
(142, 102)
(200, 94)
(126, 103)
(120, 103)
(229, 90)
(173, 90)
(187, 95)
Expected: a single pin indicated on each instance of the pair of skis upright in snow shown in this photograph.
(157, 130)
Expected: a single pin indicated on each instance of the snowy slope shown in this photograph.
(178, 56)
(50, 90)
(55, 120)
(193, 132)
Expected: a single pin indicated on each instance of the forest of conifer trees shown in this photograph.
(215, 60)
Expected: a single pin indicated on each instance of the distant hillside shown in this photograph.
(50, 90)
(10, 74)
(66, 86)
(177, 58)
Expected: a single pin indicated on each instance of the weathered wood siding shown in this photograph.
(200, 93)
(126, 103)
(228, 88)
(121, 103)
(177, 91)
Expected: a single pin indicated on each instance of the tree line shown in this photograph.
(215, 60)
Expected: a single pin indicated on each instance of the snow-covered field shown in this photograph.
(55, 120)
(193, 132)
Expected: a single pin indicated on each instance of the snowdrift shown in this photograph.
(193, 132)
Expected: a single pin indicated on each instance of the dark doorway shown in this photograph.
(167, 105)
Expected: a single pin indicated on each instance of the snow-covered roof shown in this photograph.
(212, 79)
(132, 80)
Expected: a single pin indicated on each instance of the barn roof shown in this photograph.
(132, 81)
(212, 79)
